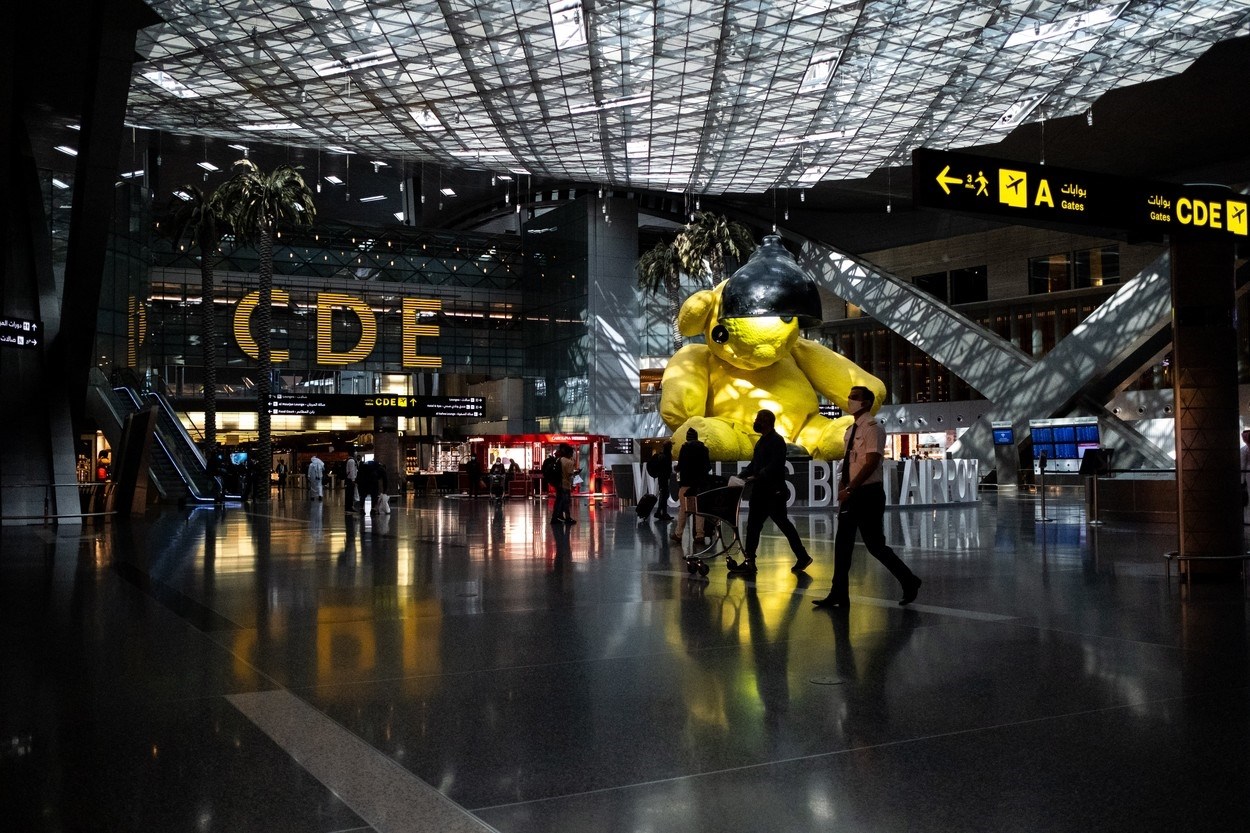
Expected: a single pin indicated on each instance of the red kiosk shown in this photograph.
(529, 450)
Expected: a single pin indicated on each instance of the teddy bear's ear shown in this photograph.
(695, 312)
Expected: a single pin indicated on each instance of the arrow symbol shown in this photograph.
(946, 181)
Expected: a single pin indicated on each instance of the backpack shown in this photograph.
(551, 472)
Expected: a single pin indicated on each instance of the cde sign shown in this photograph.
(327, 303)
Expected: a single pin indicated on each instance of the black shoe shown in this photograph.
(747, 566)
(909, 591)
(801, 564)
(831, 602)
(663, 517)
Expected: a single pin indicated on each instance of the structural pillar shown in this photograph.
(386, 451)
(1204, 361)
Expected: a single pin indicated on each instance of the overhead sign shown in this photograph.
(345, 404)
(618, 445)
(1027, 193)
(19, 332)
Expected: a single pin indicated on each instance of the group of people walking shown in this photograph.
(861, 498)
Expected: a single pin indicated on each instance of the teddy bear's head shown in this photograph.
(745, 343)
(752, 319)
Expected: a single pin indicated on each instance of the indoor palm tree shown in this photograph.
(256, 202)
(199, 220)
(708, 242)
(702, 249)
(659, 270)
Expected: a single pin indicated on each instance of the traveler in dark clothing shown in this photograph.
(370, 482)
(663, 464)
(767, 474)
(693, 464)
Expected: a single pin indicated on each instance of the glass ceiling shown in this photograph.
(675, 95)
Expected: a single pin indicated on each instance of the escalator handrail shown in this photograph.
(187, 480)
(161, 401)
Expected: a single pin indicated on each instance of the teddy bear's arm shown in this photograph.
(683, 388)
(833, 375)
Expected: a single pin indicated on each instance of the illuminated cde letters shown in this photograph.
(327, 303)
(243, 325)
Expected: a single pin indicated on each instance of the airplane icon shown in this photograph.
(1013, 187)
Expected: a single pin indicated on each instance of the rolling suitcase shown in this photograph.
(646, 504)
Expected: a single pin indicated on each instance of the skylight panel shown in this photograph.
(1037, 31)
(568, 23)
(170, 84)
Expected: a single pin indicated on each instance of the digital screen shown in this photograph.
(1065, 451)
(1065, 433)
(1087, 434)
(1043, 448)
(238, 457)
(1042, 435)
(1004, 436)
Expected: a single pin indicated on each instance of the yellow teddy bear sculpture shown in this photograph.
(752, 360)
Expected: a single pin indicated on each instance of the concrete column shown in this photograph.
(1205, 384)
(386, 451)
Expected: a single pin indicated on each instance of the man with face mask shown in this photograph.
(767, 473)
(861, 505)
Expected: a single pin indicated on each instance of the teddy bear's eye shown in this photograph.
(786, 319)
(719, 334)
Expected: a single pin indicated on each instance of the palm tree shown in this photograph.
(699, 250)
(659, 270)
(256, 203)
(200, 220)
(707, 243)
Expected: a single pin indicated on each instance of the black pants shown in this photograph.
(770, 507)
(863, 512)
(661, 503)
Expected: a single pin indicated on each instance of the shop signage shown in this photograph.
(19, 332)
(346, 404)
(1026, 193)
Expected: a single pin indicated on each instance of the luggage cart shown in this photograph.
(716, 510)
(498, 485)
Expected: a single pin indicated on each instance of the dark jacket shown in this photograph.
(693, 465)
(768, 466)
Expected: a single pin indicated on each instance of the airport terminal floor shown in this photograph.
(461, 665)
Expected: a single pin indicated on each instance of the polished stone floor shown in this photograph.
(461, 665)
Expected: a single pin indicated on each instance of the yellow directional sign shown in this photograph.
(1028, 193)
(945, 180)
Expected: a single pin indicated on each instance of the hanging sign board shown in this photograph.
(345, 404)
(19, 332)
(1024, 193)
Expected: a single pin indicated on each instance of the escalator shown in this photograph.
(176, 466)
